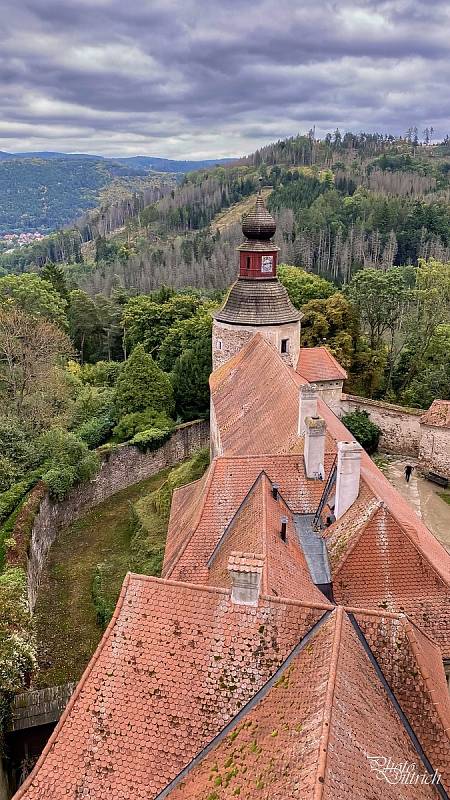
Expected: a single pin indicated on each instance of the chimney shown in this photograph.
(283, 531)
(347, 476)
(314, 451)
(307, 405)
(245, 571)
(275, 490)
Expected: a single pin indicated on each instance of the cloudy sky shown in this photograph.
(202, 78)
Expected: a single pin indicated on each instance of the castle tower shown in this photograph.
(257, 302)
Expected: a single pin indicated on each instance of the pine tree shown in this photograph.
(190, 380)
(142, 384)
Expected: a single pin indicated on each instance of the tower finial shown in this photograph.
(259, 224)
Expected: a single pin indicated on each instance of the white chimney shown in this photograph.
(307, 405)
(347, 476)
(314, 450)
(245, 571)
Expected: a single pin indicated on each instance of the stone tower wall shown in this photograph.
(227, 340)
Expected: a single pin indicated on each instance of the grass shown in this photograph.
(67, 624)
(445, 497)
(87, 565)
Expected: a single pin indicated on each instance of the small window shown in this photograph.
(219, 344)
(285, 345)
(248, 262)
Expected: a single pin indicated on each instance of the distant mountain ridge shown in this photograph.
(155, 163)
(44, 191)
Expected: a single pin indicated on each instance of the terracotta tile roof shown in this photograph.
(383, 568)
(317, 364)
(311, 732)
(412, 665)
(438, 414)
(193, 536)
(256, 528)
(256, 387)
(175, 665)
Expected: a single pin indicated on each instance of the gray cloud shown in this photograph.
(198, 78)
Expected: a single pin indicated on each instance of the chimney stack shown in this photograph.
(307, 405)
(245, 571)
(347, 476)
(314, 451)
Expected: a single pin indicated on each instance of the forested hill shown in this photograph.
(46, 191)
(341, 203)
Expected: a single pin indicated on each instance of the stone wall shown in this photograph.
(434, 451)
(400, 427)
(120, 468)
(227, 340)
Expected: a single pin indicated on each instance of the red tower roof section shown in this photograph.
(317, 364)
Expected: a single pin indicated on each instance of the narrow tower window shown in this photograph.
(219, 344)
(248, 262)
(285, 345)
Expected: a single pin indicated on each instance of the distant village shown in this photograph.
(9, 241)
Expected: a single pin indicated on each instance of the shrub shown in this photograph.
(90, 402)
(67, 460)
(10, 499)
(17, 646)
(187, 472)
(104, 607)
(363, 429)
(95, 431)
(102, 373)
(142, 384)
(138, 421)
(151, 439)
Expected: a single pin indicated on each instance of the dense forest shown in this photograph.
(46, 191)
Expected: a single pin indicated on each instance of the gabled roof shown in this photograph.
(438, 415)
(256, 528)
(176, 663)
(312, 732)
(317, 364)
(192, 540)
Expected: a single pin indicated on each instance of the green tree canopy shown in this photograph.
(303, 286)
(148, 321)
(183, 335)
(84, 323)
(34, 295)
(142, 384)
(191, 380)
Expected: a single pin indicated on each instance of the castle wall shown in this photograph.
(227, 340)
(120, 468)
(434, 450)
(400, 427)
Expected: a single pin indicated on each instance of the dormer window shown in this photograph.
(285, 345)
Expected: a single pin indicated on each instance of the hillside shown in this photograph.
(341, 203)
(46, 191)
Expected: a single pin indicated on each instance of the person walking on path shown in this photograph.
(408, 471)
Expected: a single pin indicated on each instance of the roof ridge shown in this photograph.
(319, 782)
(248, 706)
(241, 505)
(265, 549)
(80, 685)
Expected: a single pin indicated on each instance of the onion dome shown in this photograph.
(259, 223)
